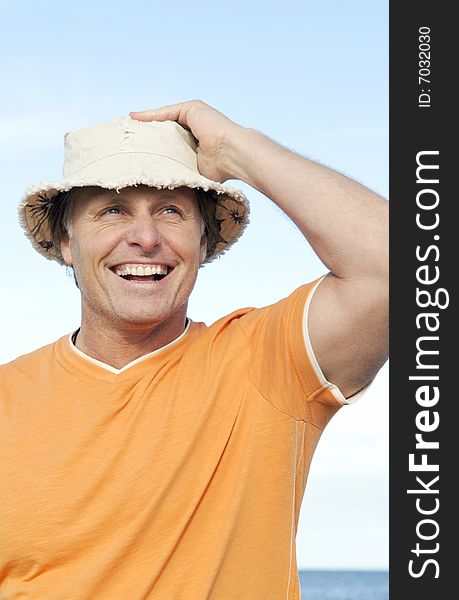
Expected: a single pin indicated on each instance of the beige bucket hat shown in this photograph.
(124, 152)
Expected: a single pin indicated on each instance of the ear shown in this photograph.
(203, 248)
(65, 251)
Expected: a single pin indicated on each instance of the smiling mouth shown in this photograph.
(142, 273)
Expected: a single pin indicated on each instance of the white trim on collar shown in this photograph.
(99, 363)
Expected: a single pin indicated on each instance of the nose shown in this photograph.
(144, 233)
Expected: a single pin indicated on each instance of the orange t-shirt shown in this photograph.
(179, 477)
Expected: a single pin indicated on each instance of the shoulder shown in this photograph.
(251, 317)
(28, 364)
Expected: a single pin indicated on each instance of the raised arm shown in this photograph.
(345, 223)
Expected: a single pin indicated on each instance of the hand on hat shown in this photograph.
(211, 128)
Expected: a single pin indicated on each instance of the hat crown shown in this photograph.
(123, 135)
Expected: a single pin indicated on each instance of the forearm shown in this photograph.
(345, 223)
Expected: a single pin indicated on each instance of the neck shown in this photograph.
(118, 347)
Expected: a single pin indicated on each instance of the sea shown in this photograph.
(344, 585)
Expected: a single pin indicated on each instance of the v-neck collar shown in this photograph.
(72, 352)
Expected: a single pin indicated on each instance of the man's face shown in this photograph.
(135, 254)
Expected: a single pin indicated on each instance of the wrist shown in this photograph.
(238, 150)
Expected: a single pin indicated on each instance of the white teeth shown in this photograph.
(141, 270)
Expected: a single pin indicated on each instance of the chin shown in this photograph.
(147, 318)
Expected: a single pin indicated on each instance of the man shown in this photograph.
(147, 456)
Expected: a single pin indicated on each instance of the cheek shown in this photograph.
(186, 241)
(94, 247)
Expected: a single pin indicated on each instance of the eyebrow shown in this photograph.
(115, 198)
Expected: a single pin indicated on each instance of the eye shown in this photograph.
(112, 210)
(170, 210)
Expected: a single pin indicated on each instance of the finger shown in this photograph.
(172, 112)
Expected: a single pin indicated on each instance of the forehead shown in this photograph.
(93, 194)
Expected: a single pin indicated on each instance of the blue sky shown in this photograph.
(313, 76)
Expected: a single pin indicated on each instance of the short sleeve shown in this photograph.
(281, 367)
(333, 389)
